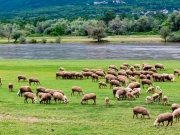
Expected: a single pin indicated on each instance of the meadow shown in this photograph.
(17, 117)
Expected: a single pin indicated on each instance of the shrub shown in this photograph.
(33, 41)
(174, 37)
(43, 40)
(58, 40)
(22, 40)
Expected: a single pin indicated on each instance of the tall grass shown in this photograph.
(16, 117)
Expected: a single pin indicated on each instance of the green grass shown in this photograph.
(16, 117)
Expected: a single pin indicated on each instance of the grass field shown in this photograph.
(16, 117)
(65, 39)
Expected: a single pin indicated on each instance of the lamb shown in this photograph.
(22, 77)
(45, 97)
(88, 96)
(176, 114)
(175, 106)
(158, 88)
(140, 110)
(149, 100)
(134, 85)
(165, 100)
(159, 65)
(146, 81)
(150, 90)
(114, 82)
(35, 80)
(31, 96)
(24, 89)
(102, 84)
(60, 97)
(76, 89)
(164, 117)
(10, 86)
(107, 101)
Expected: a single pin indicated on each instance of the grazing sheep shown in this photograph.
(113, 67)
(140, 110)
(158, 88)
(24, 89)
(176, 71)
(130, 95)
(137, 66)
(115, 89)
(59, 96)
(35, 80)
(146, 81)
(100, 73)
(61, 69)
(86, 69)
(160, 95)
(45, 97)
(126, 64)
(176, 114)
(138, 89)
(114, 82)
(155, 97)
(86, 97)
(22, 77)
(121, 92)
(175, 106)
(165, 100)
(107, 101)
(150, 90)
(123, 67)
(112, 72)
(76, 89)
(164, 117)
(149, 100)
(108, 77)
(60, 74)
(31, 96)
(122, 72)
(134, 85)
(94, 77)
(132, 79)
(160, 66)
(122, 79)
(10, 86)
(40, 89)
(135, 92)
(102, 84)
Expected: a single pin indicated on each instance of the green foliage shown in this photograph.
(165, 32)
(174, 37)
(15, 35)
(57, 31)
(43, 40)
(32, 41)
(58, 39)
(22, 40)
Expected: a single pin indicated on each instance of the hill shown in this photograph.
(17, 9)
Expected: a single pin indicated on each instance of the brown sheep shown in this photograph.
(22, 77)
(100, 73)
(113, 67)
(150, 90)
(155, 97)
(120, 92)
(149, 100)
(164, 117)
(86, 69)
(165, 100)
(146, 81)
(76, 89)
(87, 74)
(134, 85)
(94, 77)
(10, 86)
(159, 66)
(137, 66)
(24, 89)
(86, 97)
(102, 84)
(40, 89)
(123, 67)
(122, 79)
(176, 71)
(126, 64)
(59, 74)
(114, 82)
(112, 72)
(45, 97)
(35, 80)
(31, 96)
(61, 69)
(59, 96)
(107, 101)
(140, 110)
(122, 72)
(175, 106)
(108, 77)
(115, 89)
(176, 114)
(157, 77)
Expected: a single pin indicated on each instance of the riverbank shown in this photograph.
(80, 39)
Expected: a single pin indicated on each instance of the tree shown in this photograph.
(57, 31)
(108, 16)
(174, 19)
(97, 30)
(15, 35)
(165, 32)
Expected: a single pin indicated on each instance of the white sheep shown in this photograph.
(165, 100)
(86, 97)
(150, 90)
(107, 101)
(59, 96)
(164, 117)
(149, 100)
(176, 114)
(31, 96)
(139, 89)
(140, 110)
(158, 88)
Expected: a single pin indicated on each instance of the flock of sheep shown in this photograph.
(127, 82)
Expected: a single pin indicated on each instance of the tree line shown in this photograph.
(109, 24)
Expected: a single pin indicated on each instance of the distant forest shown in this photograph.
(52, 9)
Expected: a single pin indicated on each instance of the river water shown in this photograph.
(116, 51)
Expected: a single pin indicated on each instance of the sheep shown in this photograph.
(165, 100)
(120, 92)
(160, 66)
(107, 101)
(130, 95)
(100, 73)
(60, 97)
(22, 77)
(146, 81)
(126, 64)
(122, 79)
(31, 96)
(140, 110)
(132, 79)
(108, 77)
(40, 89)
(35, 80)
(176, 114)
(150, 90)
(24, 89)
(158, 88)
(88, 96)
(59, 74)
(164, 117)
(149, 99)
(113, 67)
(160, 95)
(135, 92)
(10, 86)
(86, 69)
(122, 72)
(45, 97)
(137, 66)
(61, 69)
(102, 84)
(112, 72)
(155, 97)
(76, 89)
(157, 77)
(94, 77)
(176, 71)
(138, 89)
(115, 89)
(114, 82)
(123, 67)
(175, 106)
(87, 74)
(134, 85)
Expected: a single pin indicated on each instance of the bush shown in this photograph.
(43, 40)
(33, 41)
(174, 37)
(58, 40)
(22, 40)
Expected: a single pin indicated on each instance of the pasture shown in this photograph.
(17, 117)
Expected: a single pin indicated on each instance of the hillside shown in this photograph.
(17, 9)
